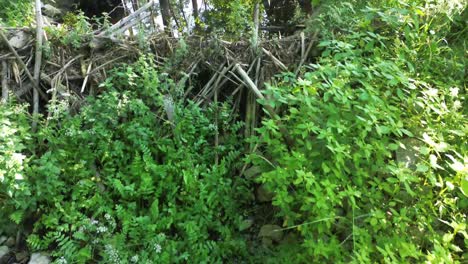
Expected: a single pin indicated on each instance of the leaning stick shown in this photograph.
(21, 63)
(4, 81)
(38, 59)
(267, 107)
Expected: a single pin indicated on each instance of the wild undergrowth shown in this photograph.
(374, 168)
(118, 183)
(378, 167)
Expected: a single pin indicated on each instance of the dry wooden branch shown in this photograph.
(131, 24)
(249, 82)
(105, 64)
(303, 59)
(4, 81)
(302, 45)
(127, 19)
(23, 65)
(86, 76)
(275, 60)
(268, 108)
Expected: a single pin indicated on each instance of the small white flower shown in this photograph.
(101, 229)
(112, 253)
(157, 248)
(432, 92)
(134, 259)
(107, 216)
(94, 222)
(18, 157)
(454, 91)
(457, 105)
(62, 260)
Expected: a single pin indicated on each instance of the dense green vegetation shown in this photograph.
(16, 13)
(374, 168)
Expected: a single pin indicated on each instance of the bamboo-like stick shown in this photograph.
(268, 108)
(86, 76)
(312, 41)
(4, 81)
(127, 19)
(37, 60)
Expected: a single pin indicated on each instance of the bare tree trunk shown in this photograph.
(307, 7)
(166, 14)
(38, 60)
(4, 81)
(195, 9)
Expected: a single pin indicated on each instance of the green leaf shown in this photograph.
(154, 210)
(464, 186)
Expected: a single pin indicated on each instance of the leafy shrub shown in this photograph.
(229, 18)
(75, 30)
(16, 13)
(118, 184)
(378, 167)
(14, 140)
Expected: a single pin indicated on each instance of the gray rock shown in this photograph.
(3, 251)
(2, 240)
(39, 258)
(19, 40)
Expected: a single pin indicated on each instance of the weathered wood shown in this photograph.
(38, 59)
(85, 81)
(127, 19)
(275, 60)
(23, 65)
(4, 81)
(268, 108)
(249, 82)
(304, 57)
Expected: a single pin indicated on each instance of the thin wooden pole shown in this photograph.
(269, 109)
(4, 81)
(38, 60)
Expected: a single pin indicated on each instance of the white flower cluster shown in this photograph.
(107, 217)
(61, 260)
(101, 229)
(157, 248)
(112, 253)
(454, 91)
(134, 259)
